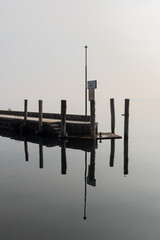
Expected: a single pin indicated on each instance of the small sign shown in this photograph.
(92, 84)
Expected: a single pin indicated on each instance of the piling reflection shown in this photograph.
(89, 148)
(84, 145)
(112, 152)
(40, 155)
(90, 179)
(26, 150)
(85, 189)
(63, 158)
(126, 159)
(91, 168)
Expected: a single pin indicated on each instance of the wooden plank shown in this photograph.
(107, 136)
(99, 136)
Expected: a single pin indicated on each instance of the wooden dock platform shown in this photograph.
(52, 127)
(49, 126)
(52, 124)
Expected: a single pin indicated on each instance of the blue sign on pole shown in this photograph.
(92, 84)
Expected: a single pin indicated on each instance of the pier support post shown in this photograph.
(63, 118)
(93, 128)
(112, 115)
(126, 118)
(25, 111)
(40, 115)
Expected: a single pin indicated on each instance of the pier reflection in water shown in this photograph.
(90, 179)
(126, 158)
(48, 188)
(86, 146)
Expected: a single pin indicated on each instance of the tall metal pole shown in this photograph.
(86, 82)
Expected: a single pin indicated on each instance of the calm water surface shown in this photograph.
(73, 194)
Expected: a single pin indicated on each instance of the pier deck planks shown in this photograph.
(99, 136)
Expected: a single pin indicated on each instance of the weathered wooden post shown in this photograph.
(25, 111)
(112, 115)
(93, 128)
(40, 115)
(63, 158)
(92, 85)
(126, 118)
(63, 118)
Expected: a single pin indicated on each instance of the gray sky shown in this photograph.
(42, 51)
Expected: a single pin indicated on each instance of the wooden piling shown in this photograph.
(25, 111)
(112, 115)
(63, 118)
(93, 128)
(40, 115)
(126, 119)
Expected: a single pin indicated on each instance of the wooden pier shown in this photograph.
(52, 124)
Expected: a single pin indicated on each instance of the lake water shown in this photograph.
(73, 194)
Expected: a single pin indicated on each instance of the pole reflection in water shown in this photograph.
(63, 158)
(85, 192)
(90, 180)
(85, 146)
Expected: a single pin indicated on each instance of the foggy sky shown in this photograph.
(42, 51)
